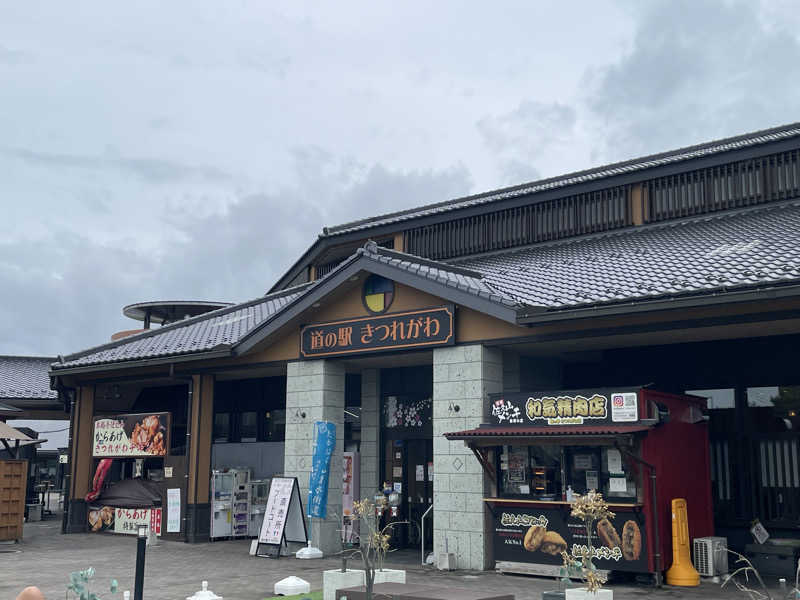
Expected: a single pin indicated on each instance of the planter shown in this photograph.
(335, 579)
(584, 594)
(390, 576)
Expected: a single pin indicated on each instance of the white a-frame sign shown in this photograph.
(283, 520)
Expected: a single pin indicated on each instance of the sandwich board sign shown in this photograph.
(283, 519)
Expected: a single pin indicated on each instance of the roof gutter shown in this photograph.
(530, 316)
(148, 362)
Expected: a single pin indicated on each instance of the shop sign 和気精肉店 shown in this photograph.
(125, 436)
(581, 407)
(404, 330)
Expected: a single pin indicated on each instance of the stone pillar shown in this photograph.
(198, 474)
(81, 461)
(370, 413)
(315, 392)
(463, 376)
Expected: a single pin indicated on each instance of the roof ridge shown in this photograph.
(2, 356)
(788, 130)
(182, 323)
(372, 248)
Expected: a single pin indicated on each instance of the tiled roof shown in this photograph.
(214, 330)
(446, 274)
(25, 378)
(486, 432)
(639, 164)
(697, 256)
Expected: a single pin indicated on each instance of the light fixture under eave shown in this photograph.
(354, 278)
(316, 304)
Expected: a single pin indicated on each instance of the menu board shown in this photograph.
(283, 518)
(539, 535)
(126, 436)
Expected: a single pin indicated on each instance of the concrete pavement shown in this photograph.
(174, 570)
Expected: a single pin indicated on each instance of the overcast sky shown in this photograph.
(192, 150)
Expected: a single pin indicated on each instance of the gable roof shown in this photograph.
(700, 258)
(24, 378)
(210, 334)
(748, 143)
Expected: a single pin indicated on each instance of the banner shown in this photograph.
(126, 436)
(538, 535)
(324, 443)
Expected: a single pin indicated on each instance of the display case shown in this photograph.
(259, 494)
(230, 503)
(221, 504)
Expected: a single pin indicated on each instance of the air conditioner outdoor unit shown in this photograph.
(711, 556)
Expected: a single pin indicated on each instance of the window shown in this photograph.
(774, 409)
(275, 426)
(248, 426)
(717, 399)
(222, 427)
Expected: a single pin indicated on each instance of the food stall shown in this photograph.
(136, 480)
(640, 448)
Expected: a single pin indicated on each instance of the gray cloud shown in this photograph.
(522, 136)
(697, 70)
(149, 169)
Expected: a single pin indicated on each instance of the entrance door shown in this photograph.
(409, 470)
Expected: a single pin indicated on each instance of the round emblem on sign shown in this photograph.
(378, 294)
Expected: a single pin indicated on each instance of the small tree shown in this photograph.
(79, 585)
(590, 508)
(374, 539)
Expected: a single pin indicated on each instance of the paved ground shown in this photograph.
(174, 569)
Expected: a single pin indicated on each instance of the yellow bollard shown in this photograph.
(682, 572)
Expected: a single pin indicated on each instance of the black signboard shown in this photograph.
(539, 535)
(574, 407)
(407, 330)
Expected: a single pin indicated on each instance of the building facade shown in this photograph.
(678, 270)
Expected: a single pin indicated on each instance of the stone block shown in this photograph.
(448, 355)
(441, 483)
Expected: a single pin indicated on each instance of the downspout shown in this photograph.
(656, 536)
(68, 477)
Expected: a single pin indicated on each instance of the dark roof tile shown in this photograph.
(25, 378)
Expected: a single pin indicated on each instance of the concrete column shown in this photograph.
(315, 392)
(370, 398)
(463, 376)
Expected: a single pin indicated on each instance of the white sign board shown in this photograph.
(127, 520)
(284, 514)
(173, 510)
(624, 407)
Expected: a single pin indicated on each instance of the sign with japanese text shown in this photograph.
(582, 407)
(126, 436)
(412, 329)
(324, 444)
(283, 518)
(538, 535)
(124, 520)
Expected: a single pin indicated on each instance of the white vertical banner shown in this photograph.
(173, 510)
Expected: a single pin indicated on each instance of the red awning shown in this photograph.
(518, 432)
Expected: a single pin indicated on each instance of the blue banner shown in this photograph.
(324, 444)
